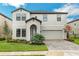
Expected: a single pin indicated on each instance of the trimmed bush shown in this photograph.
(18, 41)
(37, 39)
(71, 38)
(1, 39)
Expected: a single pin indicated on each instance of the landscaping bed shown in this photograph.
(9, 46)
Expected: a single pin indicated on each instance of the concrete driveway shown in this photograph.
(61, 45)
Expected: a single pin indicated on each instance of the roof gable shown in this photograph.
(20, 9)
(33, 18)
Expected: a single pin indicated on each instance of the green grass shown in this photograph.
(4, 46)
(74, 39)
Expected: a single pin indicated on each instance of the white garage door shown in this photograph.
(53, 34)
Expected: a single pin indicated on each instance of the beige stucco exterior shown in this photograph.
(51, 29)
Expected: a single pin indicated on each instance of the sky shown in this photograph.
(71, 8)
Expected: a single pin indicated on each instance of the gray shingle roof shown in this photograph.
(41, 12)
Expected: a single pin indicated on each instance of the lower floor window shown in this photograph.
(23, 32)
(20, 32)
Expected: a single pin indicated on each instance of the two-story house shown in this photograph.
(28, 23)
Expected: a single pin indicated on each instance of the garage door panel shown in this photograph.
(53, 34)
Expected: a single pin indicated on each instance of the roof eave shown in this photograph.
(5, 16)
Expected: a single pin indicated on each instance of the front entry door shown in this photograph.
(33, 30)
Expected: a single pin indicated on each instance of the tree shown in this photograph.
(6, 30)
(68, 28)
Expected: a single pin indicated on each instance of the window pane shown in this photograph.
(45, 18)
(23, 32)
(18, 16)
(23, 17)
(18, 32)
(58, 17)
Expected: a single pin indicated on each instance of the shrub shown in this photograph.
(1, 39)
(37, 39)
(18, 41)
(71, 38)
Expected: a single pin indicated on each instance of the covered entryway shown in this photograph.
(32, 27)
(33, 30)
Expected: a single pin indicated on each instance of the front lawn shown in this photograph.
(4, 46)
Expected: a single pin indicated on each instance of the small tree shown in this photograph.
(68, 28)
(6, 30)
(38, 39)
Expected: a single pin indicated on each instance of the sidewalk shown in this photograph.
(63, 53)
(23, 53)
(46, 53)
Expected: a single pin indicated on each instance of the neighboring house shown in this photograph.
(28, 23)
(8, 21)
(75, 26)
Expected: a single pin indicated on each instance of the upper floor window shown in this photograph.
(58, 17)
(45, 18)
(74, 24)
(18, 17)
(23, 17)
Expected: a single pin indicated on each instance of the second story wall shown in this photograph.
(51, 19)
(20, 23)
